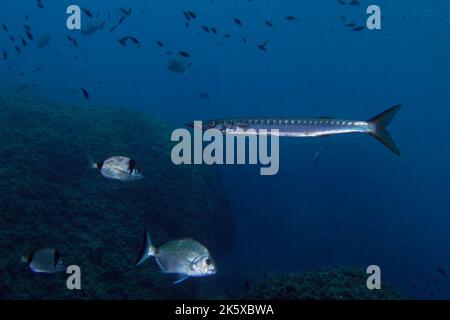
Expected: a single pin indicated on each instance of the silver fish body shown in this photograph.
(184, 257)
(309, 127)
(179, 65)
(119, 168)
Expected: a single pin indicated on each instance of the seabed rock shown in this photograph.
(50, 197)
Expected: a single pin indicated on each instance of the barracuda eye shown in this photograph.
(208, 262)
(211, 123)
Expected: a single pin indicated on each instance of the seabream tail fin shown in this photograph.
(147, 251)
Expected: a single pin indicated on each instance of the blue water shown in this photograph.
(362, 204)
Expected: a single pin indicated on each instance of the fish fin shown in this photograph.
(325, 117)
(380, 132)
(93, 164)
(161, 266)
(148, 250)
(181, 277)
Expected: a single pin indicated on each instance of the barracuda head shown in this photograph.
(209, 124)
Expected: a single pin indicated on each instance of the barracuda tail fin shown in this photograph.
(380, 132)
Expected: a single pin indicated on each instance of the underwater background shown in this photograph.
(359, 205)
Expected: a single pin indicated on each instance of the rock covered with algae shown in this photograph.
(343, 283)
(50, 197)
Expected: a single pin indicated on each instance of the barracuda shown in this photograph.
(309, 127)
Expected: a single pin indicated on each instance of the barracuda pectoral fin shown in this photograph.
(380, 132)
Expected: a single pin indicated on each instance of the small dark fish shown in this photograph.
(27, 27)
(113, 28)
(40, 4)
(290, 18)
(179, 66)
(159, 44)
(22, 73)
(26, 17)
(126, 12)
(350, 25)
(413, 285)
(237, 21)
(205, 28)
(19, 51)
(186, 15)
(360, 28)
(42, 42)
(24, 43)
(29, 35)
(135, 40)
(5, 28)
(193, 15)
(5, 55)
(354, 3)
(227, 35)
(184, 54)
(247, 286)
(262, 46)
(214, 30)
(74, 41)
(85, 93)
(87, 12)
(269, 23)
(12, 38)
(21, 88)
(186, 24)
(441, 271)
(244, 40)
(122, 19)
(342, 18)
(341, 2)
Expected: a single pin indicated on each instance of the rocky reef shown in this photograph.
(50, 197)
(344, 283)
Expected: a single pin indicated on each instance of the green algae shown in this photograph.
(50, 197)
